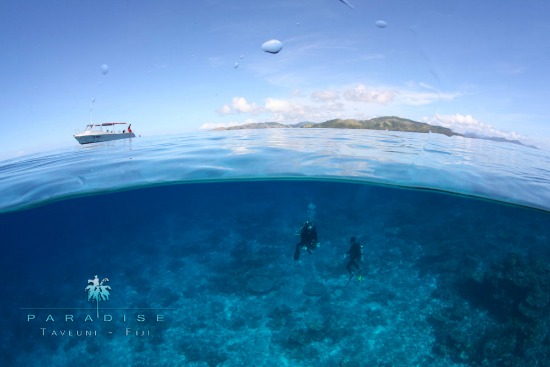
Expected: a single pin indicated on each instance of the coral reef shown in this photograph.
(447, 281)
(499, 317)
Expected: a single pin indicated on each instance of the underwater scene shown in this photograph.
(321, 183)
(259, 266)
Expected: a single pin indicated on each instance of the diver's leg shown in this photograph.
(359, 275)
(297, 252)
(348, 267)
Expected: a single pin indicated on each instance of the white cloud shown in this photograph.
(420, 94)
(239, 105)
(415, 98)
(467, 124)
(225, 110)
(283, 109)
(346, 101)
(278, 105)
(360, 93)
(324, 95)
(460, 123)
(214, 125)
(332, 106)
(426, 85)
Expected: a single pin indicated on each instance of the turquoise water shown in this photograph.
(196, 236)
(500, 171)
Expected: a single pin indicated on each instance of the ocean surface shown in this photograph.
(178, 251)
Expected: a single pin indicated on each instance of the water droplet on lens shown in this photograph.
(242, 57)
(272, 46)
(347, 3)
(236, 65)
(81, 180)
(104, 69)
(381, 24)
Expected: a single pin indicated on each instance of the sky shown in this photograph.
(180, 66)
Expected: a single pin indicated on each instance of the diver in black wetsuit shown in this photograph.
(354, 255)
(308, 239)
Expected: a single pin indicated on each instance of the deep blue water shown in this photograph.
(448, 280)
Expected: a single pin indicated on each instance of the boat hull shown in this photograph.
(97, 137)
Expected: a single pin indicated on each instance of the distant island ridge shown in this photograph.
(389, 123)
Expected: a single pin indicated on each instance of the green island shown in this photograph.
(389, 123)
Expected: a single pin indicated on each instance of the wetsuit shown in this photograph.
(354, 256)
(308, 239)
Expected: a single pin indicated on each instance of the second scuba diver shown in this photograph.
(354, 255)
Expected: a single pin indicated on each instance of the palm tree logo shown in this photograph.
(97, 291)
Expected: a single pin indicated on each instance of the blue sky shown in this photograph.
(479, 66)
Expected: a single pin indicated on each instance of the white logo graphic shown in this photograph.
(97, 291)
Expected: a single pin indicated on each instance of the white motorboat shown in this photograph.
(95, 133)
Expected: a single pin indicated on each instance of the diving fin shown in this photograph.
(359, 278)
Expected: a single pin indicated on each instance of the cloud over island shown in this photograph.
(359, 100)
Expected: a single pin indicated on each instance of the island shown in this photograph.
(390, 123)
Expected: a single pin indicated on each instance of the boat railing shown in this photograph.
(101, 129)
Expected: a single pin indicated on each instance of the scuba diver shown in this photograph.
(308, 239)
(354, 255)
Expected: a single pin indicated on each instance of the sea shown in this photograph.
(178, 250)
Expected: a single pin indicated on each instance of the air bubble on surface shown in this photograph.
(272, 46)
